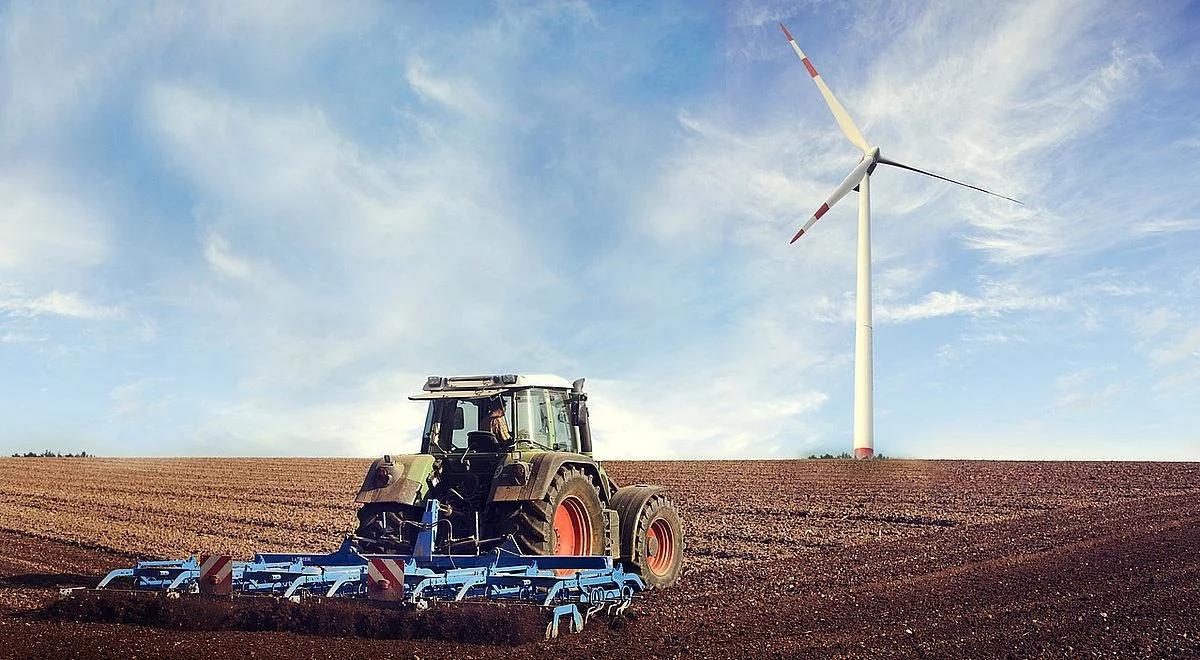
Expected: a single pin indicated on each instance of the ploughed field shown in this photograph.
(794, 558)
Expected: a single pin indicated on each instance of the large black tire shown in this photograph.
(651, 535)
(384, 528)
(574, 499)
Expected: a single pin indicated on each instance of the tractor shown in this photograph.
(509, 458)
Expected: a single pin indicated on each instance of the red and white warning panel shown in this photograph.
(216, 575)
(385, 579)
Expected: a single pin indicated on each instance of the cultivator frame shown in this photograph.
(574, 587)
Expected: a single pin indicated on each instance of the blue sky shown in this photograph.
(253, 228)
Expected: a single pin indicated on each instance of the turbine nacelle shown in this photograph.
(874, 156)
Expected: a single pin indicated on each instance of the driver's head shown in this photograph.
(495, 407)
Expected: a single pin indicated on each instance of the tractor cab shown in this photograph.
(504, 415)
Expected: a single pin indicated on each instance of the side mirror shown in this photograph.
(459, 422)
(577, 386)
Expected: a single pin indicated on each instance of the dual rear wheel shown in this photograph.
(570, 520)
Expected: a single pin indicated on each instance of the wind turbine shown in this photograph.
(860, 179)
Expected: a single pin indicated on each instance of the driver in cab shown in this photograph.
(496, 423)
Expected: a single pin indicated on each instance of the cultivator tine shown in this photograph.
(594, 609)
(299, 582)
(564, 610)
(185, 578)
(341, 582)
(112, 575)
(156, 575)
(468, 585)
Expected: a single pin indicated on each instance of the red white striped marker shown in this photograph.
(216, 575)
(385, 579)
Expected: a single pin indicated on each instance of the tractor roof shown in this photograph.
(456, 387)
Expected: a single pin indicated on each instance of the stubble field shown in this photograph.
(788, 558)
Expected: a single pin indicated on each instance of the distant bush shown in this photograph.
(51, 454)
(841, 456)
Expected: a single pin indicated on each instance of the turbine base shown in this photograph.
(864, 452)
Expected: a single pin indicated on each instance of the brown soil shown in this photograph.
(467, 623)
(787, 559)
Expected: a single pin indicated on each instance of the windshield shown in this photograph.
(533, 416)
(543, 418)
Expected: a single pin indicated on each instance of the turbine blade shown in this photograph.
(849, 128)
(902, 166)
(849, 183)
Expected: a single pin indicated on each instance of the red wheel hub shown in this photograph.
(660, 547)
(572, 528)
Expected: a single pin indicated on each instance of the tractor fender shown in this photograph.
(400, 479)
(628, 503)
(519, 482)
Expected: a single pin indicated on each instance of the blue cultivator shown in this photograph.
(336, 574)
(575, 587)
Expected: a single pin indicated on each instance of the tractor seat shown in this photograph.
(482, 441)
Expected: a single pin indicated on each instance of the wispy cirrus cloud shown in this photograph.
(949, 303)
(55, 303)
(1153, 227)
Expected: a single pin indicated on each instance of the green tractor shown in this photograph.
(510, 457)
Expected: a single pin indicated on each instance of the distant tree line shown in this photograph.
(51, 454)
(843, 455)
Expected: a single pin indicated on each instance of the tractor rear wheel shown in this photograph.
(386, 528)
(651, 535)
(569, 520)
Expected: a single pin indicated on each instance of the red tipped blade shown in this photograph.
(856, 175)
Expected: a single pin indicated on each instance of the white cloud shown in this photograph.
(1084, 389)
(1185, 346)
(382, 234)
(963, 103)
(21, 338)
(992, 303)
(371, 419)
(56, 303)
(1166, 226)
(46, 230)
(717, 417)
(130, 399)
(231, 267)
(458, 95)
(994, 338)
(60, 64)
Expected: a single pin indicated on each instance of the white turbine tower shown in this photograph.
(860, 180)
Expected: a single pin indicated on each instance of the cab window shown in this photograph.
(560, 417)
(533, 420)
(451, 421)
